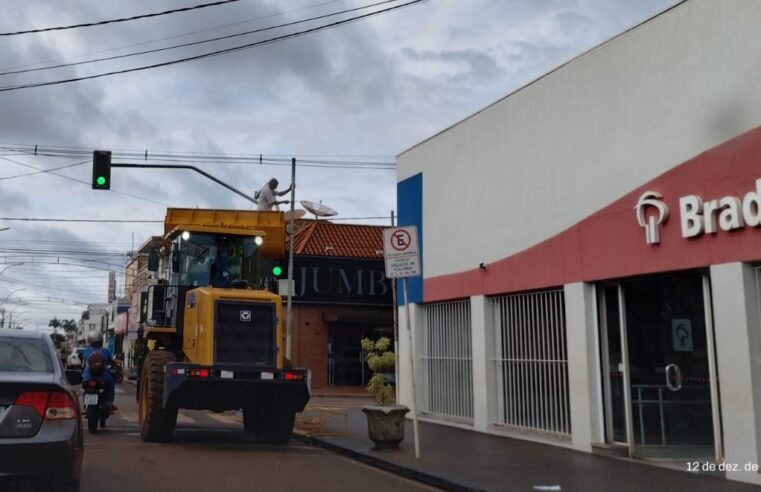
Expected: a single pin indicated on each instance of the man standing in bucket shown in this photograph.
(266, 198)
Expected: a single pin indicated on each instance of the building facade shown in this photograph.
(590, 277)
(341, 296)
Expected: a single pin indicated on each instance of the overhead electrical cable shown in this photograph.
(158, 40)
(129, 221)
(206, 157)
(85, 182)
(203, 41)
(123, 19)
(44, 171)
(214, 53)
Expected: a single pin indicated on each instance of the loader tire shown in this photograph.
(156, 422)
(272, 428)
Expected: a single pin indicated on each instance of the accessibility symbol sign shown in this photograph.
(400, 250)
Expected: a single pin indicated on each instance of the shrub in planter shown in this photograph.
(385, 420)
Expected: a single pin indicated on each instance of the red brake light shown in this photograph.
(294, 376)
(204, 373)
(60, 406)
(35, 399)
(92, 383)
(51, 406)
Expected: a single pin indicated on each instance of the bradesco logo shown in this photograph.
(698, 217)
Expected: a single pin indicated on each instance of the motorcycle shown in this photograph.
(117, 373)
(97, 409)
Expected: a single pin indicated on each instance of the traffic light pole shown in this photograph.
(291, 234)
(192, 168)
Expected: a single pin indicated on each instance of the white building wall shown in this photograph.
(738, 353)
(557, 150)
(587, 424)
(484, 384)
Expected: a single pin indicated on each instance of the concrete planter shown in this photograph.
(385, 425)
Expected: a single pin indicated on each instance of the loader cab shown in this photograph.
(202, 259)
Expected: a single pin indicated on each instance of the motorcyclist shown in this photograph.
(95, 344)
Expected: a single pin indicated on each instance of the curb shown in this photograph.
(393, 468)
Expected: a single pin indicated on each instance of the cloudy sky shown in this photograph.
(350, 95)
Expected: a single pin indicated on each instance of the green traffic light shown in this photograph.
(101, 180)
(277, 270)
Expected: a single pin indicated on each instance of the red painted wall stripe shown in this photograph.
(611, 244)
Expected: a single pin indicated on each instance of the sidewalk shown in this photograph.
(456, 459)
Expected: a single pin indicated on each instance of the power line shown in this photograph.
(143, 43)
(205, 158)
(131, 221)
(37, 149)
(195, 43)
(213, 53)
(44, 171)
(123, 19)
(86, 183)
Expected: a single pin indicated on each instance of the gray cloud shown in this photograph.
(371, 88)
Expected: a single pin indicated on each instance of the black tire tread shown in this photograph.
(159, 423)
(271, 428)
(92, 420)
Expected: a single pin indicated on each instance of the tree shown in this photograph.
(58, 340)
(69, 325)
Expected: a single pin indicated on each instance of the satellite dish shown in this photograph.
(318, 209)
(297, 214)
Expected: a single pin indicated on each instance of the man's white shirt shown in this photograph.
(266, 199)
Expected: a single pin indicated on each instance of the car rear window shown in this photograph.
(24, 355)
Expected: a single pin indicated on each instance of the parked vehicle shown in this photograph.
(97, 409)
(117, 373)
(40, 427)
(74, 360)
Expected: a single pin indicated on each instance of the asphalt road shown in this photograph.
(211, 452)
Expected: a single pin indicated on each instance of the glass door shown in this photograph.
(657, 355)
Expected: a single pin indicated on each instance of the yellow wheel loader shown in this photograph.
(214, 327)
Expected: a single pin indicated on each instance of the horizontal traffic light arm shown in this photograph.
(193, 168)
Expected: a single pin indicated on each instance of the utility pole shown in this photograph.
(291, 288)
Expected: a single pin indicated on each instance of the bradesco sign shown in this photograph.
(726, 213)
(698, 217)
(400, 250)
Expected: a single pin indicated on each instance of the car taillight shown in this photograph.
(92, 383)
(51, 406)
(35, 399)
(60, 406)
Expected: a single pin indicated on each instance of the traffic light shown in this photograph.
(277, 269)
(101, 170)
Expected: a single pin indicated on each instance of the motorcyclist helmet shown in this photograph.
(95, 339)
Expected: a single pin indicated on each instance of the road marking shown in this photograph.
(119, 391)
(184, 419)
(130, 417)
(224, 418)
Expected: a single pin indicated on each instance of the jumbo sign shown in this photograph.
(698, 217)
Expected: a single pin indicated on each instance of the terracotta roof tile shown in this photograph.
(325, 238)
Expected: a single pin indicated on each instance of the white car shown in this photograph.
(73, 360)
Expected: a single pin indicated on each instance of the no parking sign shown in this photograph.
(400, 250)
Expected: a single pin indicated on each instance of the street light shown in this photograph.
(2, 322)
(12, 292)
(17, 263)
